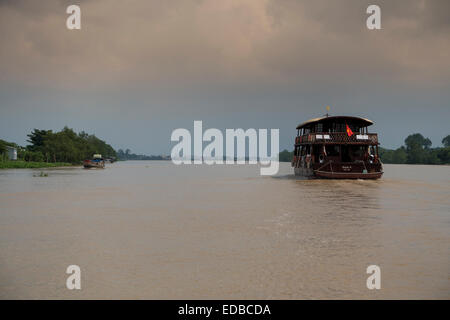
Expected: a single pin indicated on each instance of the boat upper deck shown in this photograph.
(336, 130)
(337, 138)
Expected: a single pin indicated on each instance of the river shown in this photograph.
(153, 230)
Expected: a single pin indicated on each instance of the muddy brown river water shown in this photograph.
(150, 229)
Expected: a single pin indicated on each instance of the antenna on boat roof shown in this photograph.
(328, 110)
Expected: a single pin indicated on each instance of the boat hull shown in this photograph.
(87, 164)
(346, 170)
(347, 175)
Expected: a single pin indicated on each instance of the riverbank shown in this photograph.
(18, 164)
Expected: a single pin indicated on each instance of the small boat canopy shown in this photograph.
(363, 122)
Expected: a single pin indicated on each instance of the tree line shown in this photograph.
(63, 146)
(127, 155)
(68, 146)
(417, 150)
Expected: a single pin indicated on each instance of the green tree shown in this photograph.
(385, 155)
(417, 148)
(2, 150)
(446, 141)
(37, 139)
(399, 155)
(444, 155)
(432, 157)
(286, 156)
(65, 146)
(2, 147)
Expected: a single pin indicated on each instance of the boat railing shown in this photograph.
(337, 137)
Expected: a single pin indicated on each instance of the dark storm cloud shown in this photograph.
(267, 63)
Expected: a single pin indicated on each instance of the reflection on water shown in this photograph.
(149, 229)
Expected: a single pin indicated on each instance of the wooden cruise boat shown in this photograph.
(337, 147)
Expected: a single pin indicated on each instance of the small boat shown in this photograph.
(96, 162)
(337, 147)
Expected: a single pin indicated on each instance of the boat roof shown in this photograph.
(357, 120)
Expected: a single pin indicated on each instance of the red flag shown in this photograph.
(349, 131)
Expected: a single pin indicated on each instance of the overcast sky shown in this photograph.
(139, 69)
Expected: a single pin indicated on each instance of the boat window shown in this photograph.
(332, 150)
(339, 127)
(319, 127)
(357, 151)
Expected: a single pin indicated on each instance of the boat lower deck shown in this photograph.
(342, 170)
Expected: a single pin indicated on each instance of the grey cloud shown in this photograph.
(225, 41)
(258, 60)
